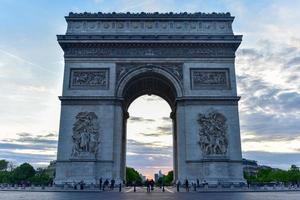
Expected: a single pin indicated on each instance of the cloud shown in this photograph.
(268, 81)
(48, 139)
(275, 138)
(27, 147)
(166, 119)
(34, 159)
(279, 160)
(157, 134)
(141, 119)
(165, 129)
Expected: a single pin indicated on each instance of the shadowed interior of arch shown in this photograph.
(149, 83)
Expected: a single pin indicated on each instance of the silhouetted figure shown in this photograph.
(120, 187)
(134, 185)
(178, 185)
(198, 183)
(74, 185)
(112, 184)
(187, 185)
(148, 185)
(81, 185)
(100, 183)
(152, 184)
(106, 182)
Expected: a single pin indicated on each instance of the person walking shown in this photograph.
(100, 183)
(148, 185)
(152, 184)
(112, 184)
(178, 185)
(106, 182)
(187, 189)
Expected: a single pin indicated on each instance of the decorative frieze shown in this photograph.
(152, 27)
(203, 79)
(149, 52)
(213, 133)
(89, 79)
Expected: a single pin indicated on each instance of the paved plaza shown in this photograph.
(168, 194)
(128, 193)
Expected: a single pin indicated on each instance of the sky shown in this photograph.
(267, 67)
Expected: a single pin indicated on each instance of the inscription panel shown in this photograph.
(89, 78)
(202, 79)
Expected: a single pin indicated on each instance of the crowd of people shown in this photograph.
(149, 183)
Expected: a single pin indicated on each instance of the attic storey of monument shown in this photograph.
(113, 58)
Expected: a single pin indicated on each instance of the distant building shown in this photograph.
(142, 177)
(250, 166)
(51, 168)
(157, 176)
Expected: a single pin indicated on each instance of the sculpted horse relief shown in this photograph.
(213, 133)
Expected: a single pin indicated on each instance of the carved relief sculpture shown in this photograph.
(85, 135)
(89, 78)
(213, 133)
(210, 79)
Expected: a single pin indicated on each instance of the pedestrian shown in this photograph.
(148, 185)
(81, 185)
(112, 184)
(187, 185)
(120, 187)
(178, 185)
(100, 183)
(152, 184)
(198, 183)
(106, 182)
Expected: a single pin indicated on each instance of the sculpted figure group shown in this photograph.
(85, 134)
(213, 133)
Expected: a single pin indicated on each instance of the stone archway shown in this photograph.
(112, 58)
(149, 79)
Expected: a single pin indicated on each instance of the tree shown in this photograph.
(166, 179)
(3, 165)
(40, 179)
(132, 176)
(23, 173)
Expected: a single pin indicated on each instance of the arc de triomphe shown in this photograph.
(113, 58)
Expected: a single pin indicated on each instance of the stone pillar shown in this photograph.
(175, 149)
(180, 136)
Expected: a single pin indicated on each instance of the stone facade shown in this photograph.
(113, 58)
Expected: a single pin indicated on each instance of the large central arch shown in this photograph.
(150, 79)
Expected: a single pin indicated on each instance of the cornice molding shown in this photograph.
(151, 15)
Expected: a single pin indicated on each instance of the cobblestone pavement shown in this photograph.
(128, 193)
